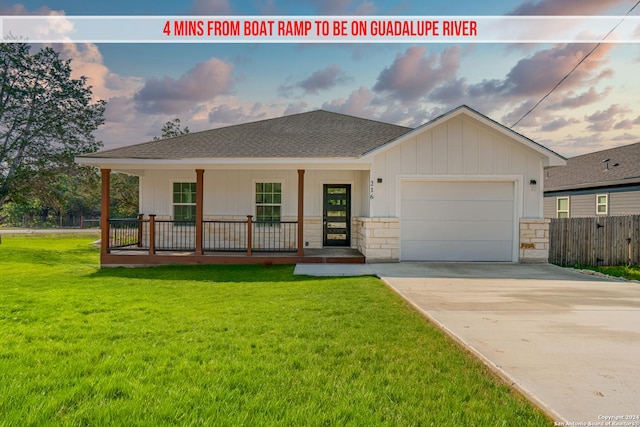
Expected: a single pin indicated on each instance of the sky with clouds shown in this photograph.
(214, 85)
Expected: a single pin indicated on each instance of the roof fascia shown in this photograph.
(626, 181)
(228, 163)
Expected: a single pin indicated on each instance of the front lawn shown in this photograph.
(224, 345)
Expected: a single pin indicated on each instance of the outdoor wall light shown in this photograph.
(379, 180)
(533, 183)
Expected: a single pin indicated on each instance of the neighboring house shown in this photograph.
(597, 184)
(461, 187)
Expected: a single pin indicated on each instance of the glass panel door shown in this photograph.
(337, 215)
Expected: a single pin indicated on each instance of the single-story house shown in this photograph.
(461, 187)
(603, 183)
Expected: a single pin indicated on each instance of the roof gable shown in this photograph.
(315, 134)
(593, 169)
(551, 157)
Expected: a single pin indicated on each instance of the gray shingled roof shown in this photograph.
(313, 134)
(591, 170)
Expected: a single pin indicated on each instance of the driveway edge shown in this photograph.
(554, 416)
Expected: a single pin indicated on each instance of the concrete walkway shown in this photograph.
(569, 341)
(334, 270)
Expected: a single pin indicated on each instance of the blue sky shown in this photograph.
(213, 85)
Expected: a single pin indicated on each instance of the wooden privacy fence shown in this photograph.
(595, 241)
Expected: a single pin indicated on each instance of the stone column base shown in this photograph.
(378, 239)
(534, 240)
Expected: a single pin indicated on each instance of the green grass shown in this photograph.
(225, 345)
(628, 272)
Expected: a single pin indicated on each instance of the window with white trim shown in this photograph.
(602, 204)
(562, 207)
(184, 201)
(268, 201)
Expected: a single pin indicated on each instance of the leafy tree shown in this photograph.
(60, 201)
(80, 193)
(23, 214)
(46, 119)
(171, 129)
(124, 195)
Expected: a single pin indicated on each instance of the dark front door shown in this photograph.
(337, 215)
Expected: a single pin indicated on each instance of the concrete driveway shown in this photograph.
(569, 341)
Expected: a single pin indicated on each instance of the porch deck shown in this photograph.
(140, 258)
(141, 242)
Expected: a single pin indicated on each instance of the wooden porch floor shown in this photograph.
(140, 258)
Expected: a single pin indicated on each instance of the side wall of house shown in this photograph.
(550, 207)
(624, 203)
(459, 147)
(584, 205)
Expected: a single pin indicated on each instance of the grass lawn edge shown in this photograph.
(499, 373)
(619, 273)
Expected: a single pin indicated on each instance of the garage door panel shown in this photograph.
(457, 221)
(417, 190)
(456, 251)
(456, 230)
(459, 210)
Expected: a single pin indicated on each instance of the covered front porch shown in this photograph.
(151, 239)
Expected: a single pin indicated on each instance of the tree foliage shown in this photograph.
(60, 201)
(46, 119)
(124, 195)
(171, 129)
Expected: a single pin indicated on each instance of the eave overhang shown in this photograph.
(339, 163)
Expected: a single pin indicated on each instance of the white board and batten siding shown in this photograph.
(231, 193)
(459, 189)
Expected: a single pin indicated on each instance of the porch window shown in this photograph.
(184, 201)
(562, 210)
(268, 201)
(602, 205)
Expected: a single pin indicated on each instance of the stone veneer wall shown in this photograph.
(312, 229)
(534, 240)
(378, 239)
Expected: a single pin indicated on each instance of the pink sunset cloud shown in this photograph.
(203, 82)
(413, 74)
(357, 104)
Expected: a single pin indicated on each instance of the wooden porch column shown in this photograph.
(140, 224)
(104, 211)
(300, 212)
(199, 209)
(152, 234)
(249, 235)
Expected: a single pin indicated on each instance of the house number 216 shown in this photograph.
(371, 190)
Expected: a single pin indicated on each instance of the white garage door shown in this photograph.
(456, 221)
